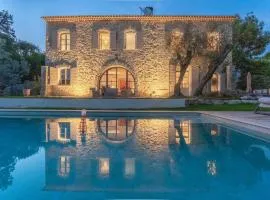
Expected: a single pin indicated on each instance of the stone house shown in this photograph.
(95, 56)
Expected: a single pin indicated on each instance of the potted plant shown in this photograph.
(27, 89)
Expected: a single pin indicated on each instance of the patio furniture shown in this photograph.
(94, 92)
(263, 102)
(110, 92)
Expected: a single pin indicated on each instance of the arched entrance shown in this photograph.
(117, 81)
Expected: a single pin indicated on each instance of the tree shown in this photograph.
(217, 53)
(6, 22)
(12, 67)
(184, 47)
(250, 42)
(34, 57)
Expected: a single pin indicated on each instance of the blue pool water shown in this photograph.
(111, 156)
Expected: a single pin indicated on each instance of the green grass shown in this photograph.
(224, 107)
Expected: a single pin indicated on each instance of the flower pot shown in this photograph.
(26, 92)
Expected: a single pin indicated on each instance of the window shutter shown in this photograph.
(121, 40)
(53, 39)
(94, 39)
(113, 40)
(139, 41)
(172, 77)
(73, 75)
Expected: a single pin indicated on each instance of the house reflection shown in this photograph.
(150, 150)
(116, 130)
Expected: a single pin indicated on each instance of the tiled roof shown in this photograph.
(138, 17)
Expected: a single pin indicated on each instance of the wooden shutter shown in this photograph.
(139, 41)
(172, 72)
(73, 75)
(54, 78)
(94, 39)
(121, 40)
(113, 40)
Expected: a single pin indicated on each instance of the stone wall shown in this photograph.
(149, 63)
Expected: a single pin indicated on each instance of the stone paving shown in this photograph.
(258, 123)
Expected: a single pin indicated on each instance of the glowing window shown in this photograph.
(120, 78)
(104, 166)
(213, 39)
(104, 40)
(214, 83)
(64, 131)
(129, 167)
(64, 76)
(130, 40)
(64, 166)
(177, 37)
(64, 40)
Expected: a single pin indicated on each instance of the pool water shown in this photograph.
(110, 156)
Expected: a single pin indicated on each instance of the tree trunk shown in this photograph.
(177, 87)
(212, 69)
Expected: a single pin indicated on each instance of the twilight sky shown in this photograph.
(30, 27)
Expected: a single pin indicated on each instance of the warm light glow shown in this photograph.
(185, 127)
(104, 166)
(213, 41)
(211, 167)
(215, 83)
(64, 166)
(64, 131)
(64, 40)
(104, 40)
(129, 167)
(64, 78)
(177, 37)
(130, 40)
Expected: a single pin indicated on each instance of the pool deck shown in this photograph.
(246, 120)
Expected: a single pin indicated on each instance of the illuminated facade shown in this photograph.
(95, 56)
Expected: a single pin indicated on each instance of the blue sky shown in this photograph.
(29, 26)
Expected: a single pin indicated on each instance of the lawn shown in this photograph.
(223, 107)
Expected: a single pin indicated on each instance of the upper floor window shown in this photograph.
(177, 36)
(64, 40)
(104, 40)
(64, 76)
(130, 40)
(213, 40)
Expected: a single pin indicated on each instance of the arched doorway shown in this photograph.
(117, 80)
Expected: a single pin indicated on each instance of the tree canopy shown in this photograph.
(20, 61)
(250, 42)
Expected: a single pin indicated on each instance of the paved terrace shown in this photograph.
(245, 120)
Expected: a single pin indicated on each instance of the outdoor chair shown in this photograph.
(263, 102)
(110, 92)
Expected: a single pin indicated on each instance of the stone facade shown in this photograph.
(149, 63)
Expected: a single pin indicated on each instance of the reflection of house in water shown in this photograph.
(120, 153)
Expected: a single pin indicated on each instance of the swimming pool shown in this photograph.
(130, 156)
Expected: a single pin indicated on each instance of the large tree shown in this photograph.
(34, 57)
(19, 60)
(6, 22)
(186, 44)
(250, 42)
